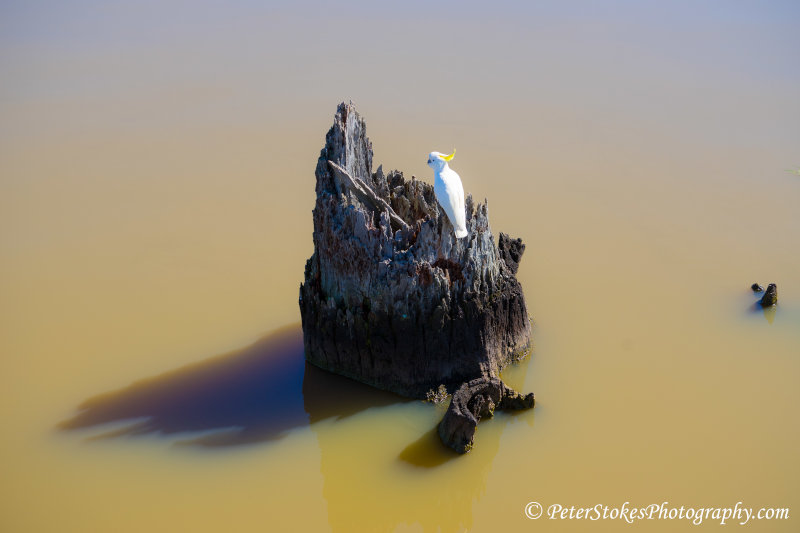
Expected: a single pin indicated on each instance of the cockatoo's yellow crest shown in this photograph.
(449, 157)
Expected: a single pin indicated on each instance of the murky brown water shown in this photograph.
(156, 182)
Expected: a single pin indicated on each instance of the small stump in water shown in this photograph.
(771, 296)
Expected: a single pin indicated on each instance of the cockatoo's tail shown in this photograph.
(449, 191)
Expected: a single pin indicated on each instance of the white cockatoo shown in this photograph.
(449, 191)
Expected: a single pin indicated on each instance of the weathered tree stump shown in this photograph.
(391, 298)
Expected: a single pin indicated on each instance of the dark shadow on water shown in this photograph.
(251, 395)
(427, 451)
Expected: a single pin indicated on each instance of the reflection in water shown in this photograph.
(327, 395)
(428, 484)
(251, 395)
(768, 311)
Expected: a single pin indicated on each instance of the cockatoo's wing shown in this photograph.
(460, 216)
(450, 194)
(463, 210)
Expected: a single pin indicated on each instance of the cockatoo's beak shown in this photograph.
(449, 157)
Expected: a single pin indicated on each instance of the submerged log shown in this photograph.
(472, 401)
(390, 297)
